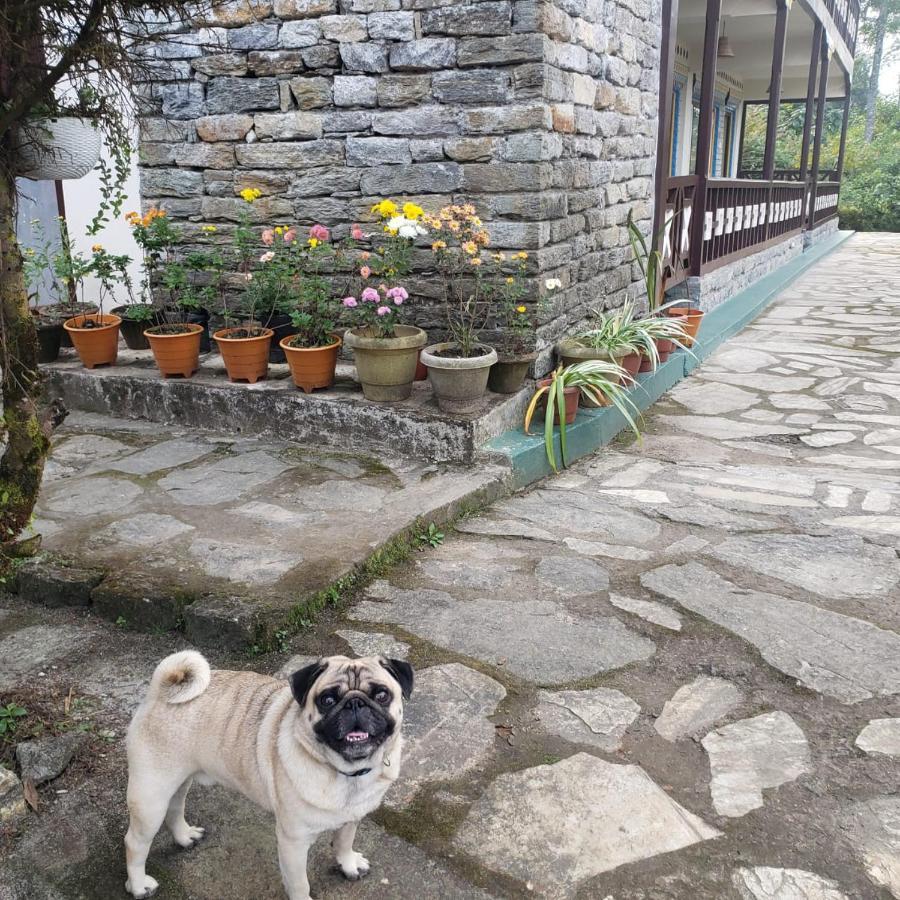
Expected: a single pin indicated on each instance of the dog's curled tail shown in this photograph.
(180, 677)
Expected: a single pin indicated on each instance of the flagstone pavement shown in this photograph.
(671, 672)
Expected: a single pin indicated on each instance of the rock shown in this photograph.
(696, 707)
(842, 566)
(221, 620)
(722, 429)
(12, 798)
(712, 399)
(504, 528)
(828, 438)
(311, 93)
(34, 647)
(294, 664)
(649, 611)
(446, 731)
(598, 717)
(369, 57)
(237, 95)
(287, 126)
(874, 831)
(355, 90)
(41, 580)
(144, 602)
(837, 655)
(768, 384)
(798, 401)
(304, 9)
(495, 630)
(243, 562)
(424, 54)
(555, 826)
(258, 36)
(340, 494)
(572, 576)
(92, 496)
(598, 548)
(392, 26)
(298, 34)
(485, 576)
(142, 530)
(46, 758)
(372, 643)
(766, 883)
(222, 480)
(751, 755)
(224, 128)
(880, 736)
(87, 448)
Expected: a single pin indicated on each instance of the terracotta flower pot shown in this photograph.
(570, 353)
(664, 348)
(631, 363)
(693, 318)
(176, 354)
(573, 398)
(508, 373)
(458, 382)
(421, 369)
(96, 346)
(311, 367)
(245, 358)
(386, 366)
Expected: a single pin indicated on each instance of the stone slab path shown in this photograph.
(671, 672)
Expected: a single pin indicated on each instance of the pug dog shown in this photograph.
(320, 751)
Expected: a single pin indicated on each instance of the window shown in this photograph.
(728, 149)
(676, 129)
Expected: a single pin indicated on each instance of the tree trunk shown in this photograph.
(26, 427)
(875, 73)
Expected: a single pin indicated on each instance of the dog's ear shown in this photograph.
(403, 672)
(303, 680)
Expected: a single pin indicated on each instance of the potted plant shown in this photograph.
(386, 352)
(515, 343)
(312, 349)
(596, 380)
(243, 342)
(612, 337)
(458, 369)
(95, 336)
(136, 319)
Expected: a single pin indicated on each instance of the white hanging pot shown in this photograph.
(51, 149)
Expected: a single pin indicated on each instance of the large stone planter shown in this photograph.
(386, 366)
(458, 383)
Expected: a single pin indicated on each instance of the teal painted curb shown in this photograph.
(595, 428)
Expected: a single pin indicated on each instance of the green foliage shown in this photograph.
(430, 537)
(9, 718)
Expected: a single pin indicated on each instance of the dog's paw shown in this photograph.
(142, 891)
(354, 866)
(190, 836)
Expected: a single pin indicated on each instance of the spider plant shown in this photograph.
(613, 332)
(600, 381)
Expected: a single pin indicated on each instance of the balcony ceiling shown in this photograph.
(750, 26)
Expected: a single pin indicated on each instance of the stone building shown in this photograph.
(544, 113)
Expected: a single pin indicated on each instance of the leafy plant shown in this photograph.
(599, 381)
(430, 537)
(9, 717)
(650, 263)
(377, 310)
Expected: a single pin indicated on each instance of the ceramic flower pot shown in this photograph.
(49, 336)
(246, 358)
(570, 352)
(175, 354)
(386, 366)
(95, 338)
(311, 367)
(193, 317)
(458, 382)
(421, 369)
(132, 330)
(632, 363)
(59, 312)
(282, 328)
(573, 398)
(508, 373)
(692, 318)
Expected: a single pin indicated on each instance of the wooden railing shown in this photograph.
(676, 237)
(743, 217)
(784, 175)
(845, 15)
(826, 203)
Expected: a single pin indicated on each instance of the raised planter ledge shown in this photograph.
(596, 428)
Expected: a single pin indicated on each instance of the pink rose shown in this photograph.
(349, 302)
(365, 271)
(398, 293)
(370, 295)
(356, 232)
(268, 237)
(383, 310)
(398, 301)
(290, 236)
(319, 232)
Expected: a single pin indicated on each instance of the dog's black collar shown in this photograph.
(356, 774)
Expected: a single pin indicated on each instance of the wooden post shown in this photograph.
(820, 128)
(704, 135)
(810, 102)
(844, 126)
(666, 89)
(781, 23)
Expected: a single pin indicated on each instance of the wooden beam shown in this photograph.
(666, 91)
(781, 23)
(820, 128)
(705, 129)
(810, 100)
(844, 125)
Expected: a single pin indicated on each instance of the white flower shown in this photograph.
(553, 284)
(267, 257)
(406, 228)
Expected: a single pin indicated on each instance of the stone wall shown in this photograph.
(820, 232)
(544, 114)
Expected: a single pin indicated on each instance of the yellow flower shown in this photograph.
(412, 211)
(453, 226)
(391, 231)
(385, 208)
(521, 309)
(470, 247)
(475, 261)
(279, 230)
(499, 257)
(209, 229)
(251, 194)
(97, 248)
(438, 245)
(510, 280)
(520, 255)
(313, 242)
